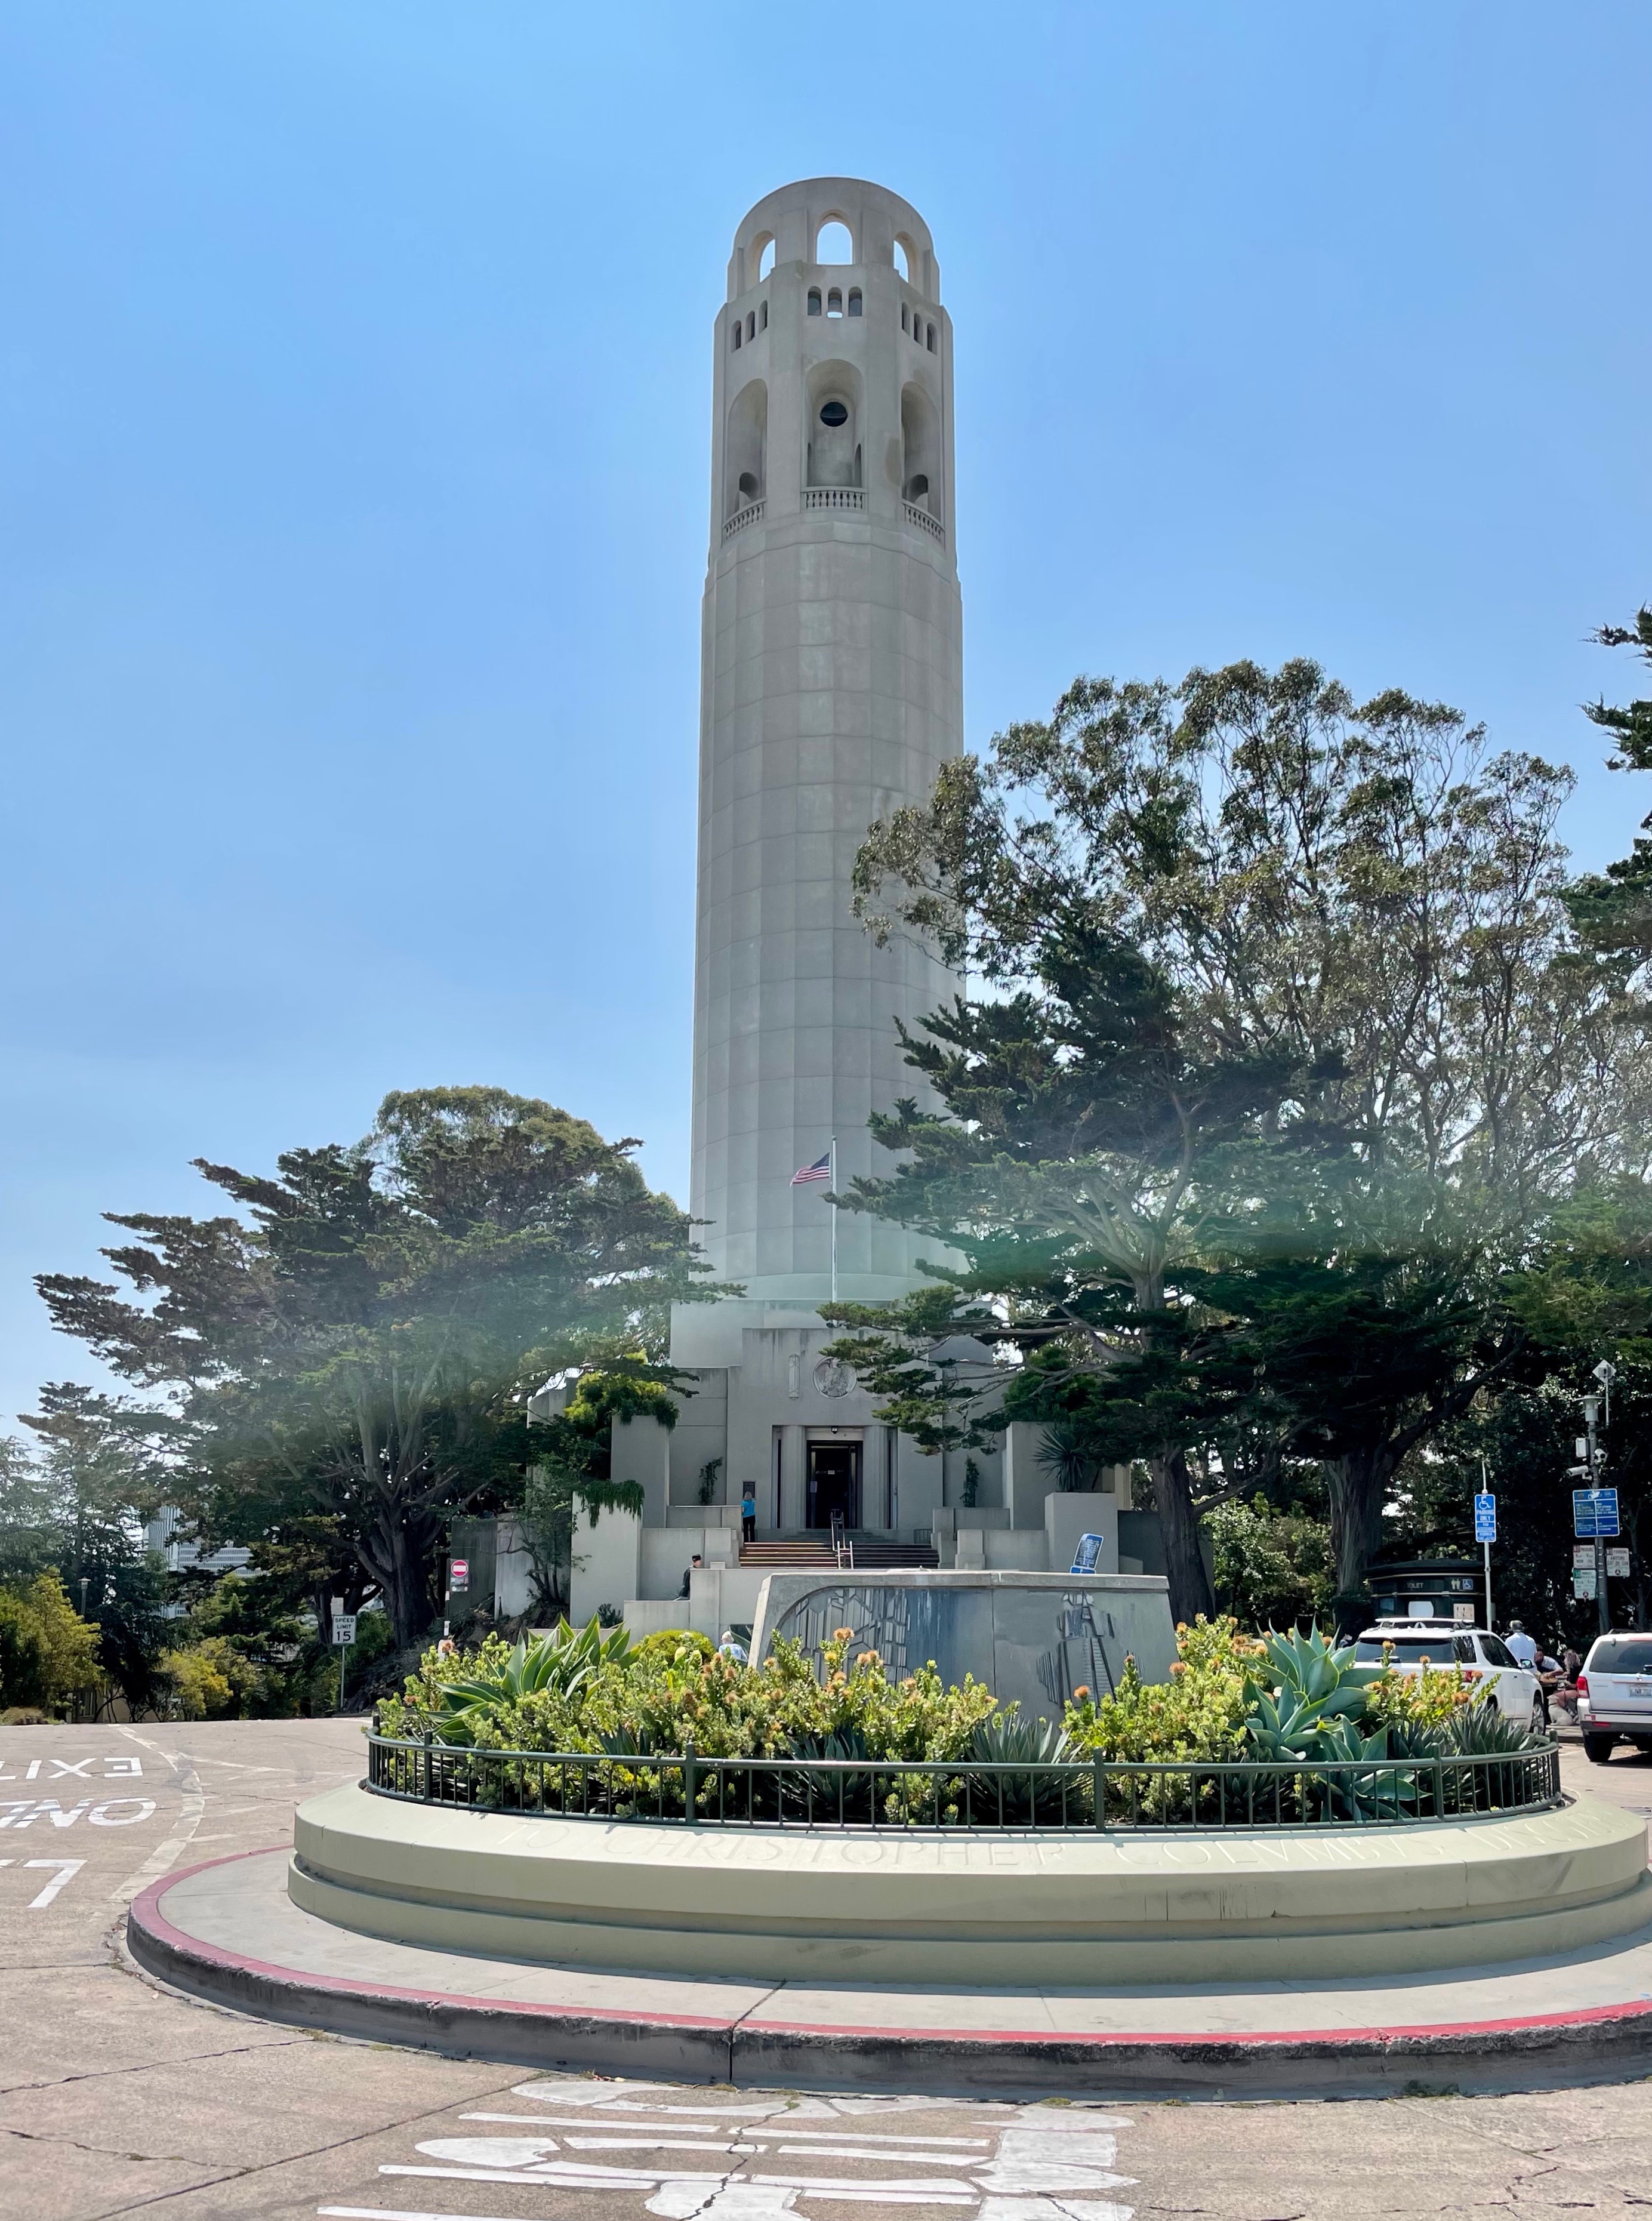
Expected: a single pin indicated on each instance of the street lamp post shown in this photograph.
(1591, 1413)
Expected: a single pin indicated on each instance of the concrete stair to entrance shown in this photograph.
(803, 1553)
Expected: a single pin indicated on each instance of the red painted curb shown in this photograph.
(146, 1915)
(145, 1910)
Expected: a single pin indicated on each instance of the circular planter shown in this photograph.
(993, 1909)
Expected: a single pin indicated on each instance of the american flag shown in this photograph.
(820, 1170)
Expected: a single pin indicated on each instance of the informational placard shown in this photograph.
(1485, 1517)
(1463, 1614)
(343, 1629)
(458, 1573)
(1594, 1510)
(1618, 1565)
(1583, 1553)
(1583, 1584)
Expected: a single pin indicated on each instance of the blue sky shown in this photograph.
(354, 364)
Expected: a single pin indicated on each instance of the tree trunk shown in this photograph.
(1357, 1484)
(1190, 1583)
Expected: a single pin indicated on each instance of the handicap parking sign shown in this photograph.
(1485, 1517)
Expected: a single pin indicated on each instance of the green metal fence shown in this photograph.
(897, 1795)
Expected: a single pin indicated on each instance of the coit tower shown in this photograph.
(831, 693)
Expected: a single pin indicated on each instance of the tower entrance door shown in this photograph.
(834, 1484)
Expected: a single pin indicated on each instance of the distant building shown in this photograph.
(160, 1537)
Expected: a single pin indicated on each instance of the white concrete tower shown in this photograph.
(831, 693)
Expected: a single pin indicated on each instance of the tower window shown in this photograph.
(835, 302)
(854, 300)
(930, 339)
(737, 331)
(904, 318)
(834, 413)
(902, 260)
(833, 242)
(748, 485)
(766, 260)
(762, 317)
(751, 325)
(814, 300)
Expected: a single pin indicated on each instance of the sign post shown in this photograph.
(343, 1637)
(1485, 1535)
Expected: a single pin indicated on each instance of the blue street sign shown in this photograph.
(1594, 1512)
(1486, 1518)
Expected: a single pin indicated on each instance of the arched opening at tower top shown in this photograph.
(920, 431)
(833, 242)
(832, 457)
(765, 261)
(745, 458)
(902, 260)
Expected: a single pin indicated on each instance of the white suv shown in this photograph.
(1615, 1694)
(1486, 1662)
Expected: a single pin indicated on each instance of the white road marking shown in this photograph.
(662, 2140)
(583, 2121)
(164, 1856)
(866, 2151)
(67, 1869)
(562, 2174)
(735, 2201)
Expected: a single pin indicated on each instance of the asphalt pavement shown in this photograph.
(118, 2096)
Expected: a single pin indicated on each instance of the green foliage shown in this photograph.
(238, 1655)
(1272, 1567)
(48, 1652)
(1614, 913)
(1199, 1713)
(357, 1344)
(1317, 1696)
(1282, 1050)
(588, 1692)
(602, 1394)
(558, 1669)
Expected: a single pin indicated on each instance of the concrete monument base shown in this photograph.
(989, 1909)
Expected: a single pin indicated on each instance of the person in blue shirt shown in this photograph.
(748, 1513)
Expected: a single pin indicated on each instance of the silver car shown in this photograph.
(1486, 1663)
(1615, 1694)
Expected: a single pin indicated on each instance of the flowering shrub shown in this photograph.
(1199, 1713)
(1293, 1698)
(668, 1692)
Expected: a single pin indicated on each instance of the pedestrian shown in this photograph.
(749, 1512)
(1521, 1645)
(694, 1566)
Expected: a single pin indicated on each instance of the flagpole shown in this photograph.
(833, 1157)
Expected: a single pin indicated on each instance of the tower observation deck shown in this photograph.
(831, 693)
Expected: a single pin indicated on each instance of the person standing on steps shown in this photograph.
(748, 1513)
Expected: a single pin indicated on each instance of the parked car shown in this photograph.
(1615, 1694)
(1485, 1660)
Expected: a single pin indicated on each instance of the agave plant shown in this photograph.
(1480, 1730)
(560, 1663)
(1007, 1739)
(1317, 1693)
